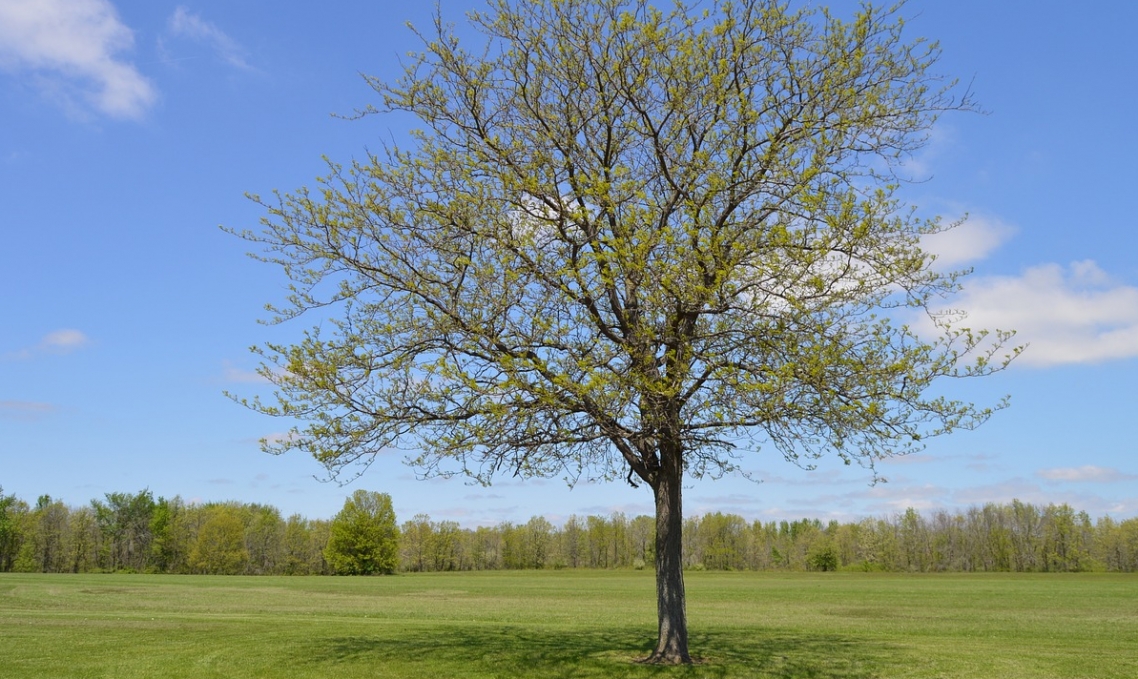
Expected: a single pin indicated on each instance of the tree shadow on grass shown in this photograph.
(507, 651)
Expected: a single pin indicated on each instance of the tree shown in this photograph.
(170, 543)
(12, 512)
(125, 523)
(220, 546)
(264, 538)
(416, 538)
(634, 243)
(297, 542)
(365, 537)
(46, 551)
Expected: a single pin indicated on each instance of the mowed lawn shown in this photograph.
(567, 624)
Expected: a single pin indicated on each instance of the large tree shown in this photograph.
(628, 242)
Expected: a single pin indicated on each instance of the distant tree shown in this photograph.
(599, 532)
(264, 538)
(365, 537)
(629, 242)
(220, 545)
(83, 552)
(125, 523)
(320, 533)
(574, 539)
(822, 555)
(721, 538)
(486, 545)
(415, 542)
(170, 538)
(537, 536)
(296, 542)
(641, 539)
(12, 510)
(513, 545)
(45, 551)
(446, 547)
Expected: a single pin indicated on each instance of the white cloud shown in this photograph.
(186, 24)
(62, 341)
(1065, 314)
(71, 48)
(1072, 314)
(973, 240)
(1085, 473)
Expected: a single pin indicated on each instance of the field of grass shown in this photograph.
(567, 624)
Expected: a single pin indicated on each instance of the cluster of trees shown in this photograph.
(137, 532)
(140, 533)
(1017, 537)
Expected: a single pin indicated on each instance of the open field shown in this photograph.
(567, 624)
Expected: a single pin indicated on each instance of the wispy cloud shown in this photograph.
(71, 49)
(277, 437)
(891, 498)
(231, 373)
(25, 411)
(185, 24)
(63, 341)
(1026, 491)
(1089, 473)
(57, 342)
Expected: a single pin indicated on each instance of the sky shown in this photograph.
(130, 130)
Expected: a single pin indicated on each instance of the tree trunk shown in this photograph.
(672, 645)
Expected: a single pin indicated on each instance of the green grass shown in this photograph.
(567, 624)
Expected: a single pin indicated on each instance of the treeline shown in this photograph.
(1016, 537)
(140, 533)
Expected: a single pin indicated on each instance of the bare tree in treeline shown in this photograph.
(170, 536)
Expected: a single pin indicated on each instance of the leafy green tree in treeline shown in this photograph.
(12, 510)
(821, 555)
(485, 548)
(574, 546)
(365, 537)
(1116, 544)
(446, 547)
(170, 540)
(47, 548)
(220, 545)
(83, 540)
(124, 520)
(319, 533)
(415, 541)
(297, 547)
(264, 538)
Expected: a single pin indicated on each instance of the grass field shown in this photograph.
(567, 624)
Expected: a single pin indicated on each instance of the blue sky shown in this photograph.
(130, 130)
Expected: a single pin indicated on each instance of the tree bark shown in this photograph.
(672, 644)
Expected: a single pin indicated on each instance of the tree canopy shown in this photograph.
(629, 242)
